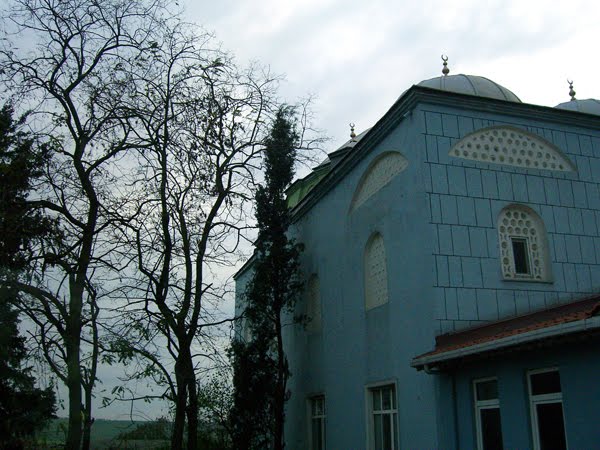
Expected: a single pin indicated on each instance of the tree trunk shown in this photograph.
(87, 419)
(192, 410)
(180, 406)
(74, 387)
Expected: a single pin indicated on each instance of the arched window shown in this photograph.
(511, 146)
(376, 280)
(381, 171)
(523, 245)
(313, 304)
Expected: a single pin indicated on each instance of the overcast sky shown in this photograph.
(357, 57)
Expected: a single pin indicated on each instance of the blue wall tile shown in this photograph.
(467, 304)
(588, 253)
(585, 144)
(451, 304)
(551, 189)
(432, 150)
(560, 248)
(575, 221)
(449, 210)
(584, 281)
(505, 189)
(442, 270)
(579, 196)
(547, 214)
(561, 220)
(592, 195)
(456, 180)
(535, 189)
(573, 249)
(589, 222)
(445, 239)
(455, 271)
(522, 302)
(433, 123)
(583, 168)
(519, 187)
(450, 125)
(506, 303)
(460, 241)
(565, 192)
(483, 212)
(471, 272)
(465, 125)
(478, 239)
(490, 184)
(474, 186)
(439, 179)
(487, 305)
(466, 211)
(436, 212)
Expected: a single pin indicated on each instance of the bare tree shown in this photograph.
(200, 124)
(75, 75)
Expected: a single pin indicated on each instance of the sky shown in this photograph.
(358, 57)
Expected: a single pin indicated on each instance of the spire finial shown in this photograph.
(352, 133)
(571, 90)
(445, 69)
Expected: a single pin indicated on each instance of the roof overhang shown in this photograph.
(576, 320)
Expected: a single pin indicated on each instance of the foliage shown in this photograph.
(24, 408)
(260, 366)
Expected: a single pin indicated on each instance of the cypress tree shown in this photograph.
(261, 369)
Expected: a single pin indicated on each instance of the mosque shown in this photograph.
(452, 262)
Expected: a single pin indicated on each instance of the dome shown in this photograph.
(589, 106)
(471, 85)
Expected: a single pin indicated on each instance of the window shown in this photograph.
(381, 172)
(383, 427)
(313, 304)
(523, 245)
(547, 421)
(317, 422)
(487, 414)
(513, 147)
(376, 290)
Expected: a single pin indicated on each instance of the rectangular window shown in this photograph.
(521, 256)
(383, 427)
(317, 422)
(487, 414)
(545, 396)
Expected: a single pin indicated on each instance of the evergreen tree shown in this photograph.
(23, 407)
(261, 368)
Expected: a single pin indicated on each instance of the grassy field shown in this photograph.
(104, 434)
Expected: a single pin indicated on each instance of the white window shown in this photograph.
(317, 422)
(376, 289)
(523, 245)
(381, 171)
(383, 420)
(547, 420)
(487, 414)
(313, 304)
(513, 147)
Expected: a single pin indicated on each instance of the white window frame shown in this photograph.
(483, 404)
(370, 414)
(311, 417)
(540, 399)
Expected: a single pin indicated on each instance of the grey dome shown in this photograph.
(589, 106)
(471, 85)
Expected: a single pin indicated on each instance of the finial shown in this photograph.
(445, 70)
(571, 91)
(352, 133)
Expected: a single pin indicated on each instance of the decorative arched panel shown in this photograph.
(523, 245)
(380, 173)
(376, 279)
(513, 147)
(313, 304)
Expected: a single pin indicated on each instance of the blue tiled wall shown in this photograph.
(465, 198)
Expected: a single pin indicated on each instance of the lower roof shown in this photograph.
(581, 316)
